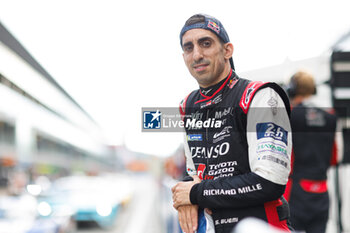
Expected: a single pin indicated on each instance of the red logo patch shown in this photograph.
(200, 170)
(212, 25)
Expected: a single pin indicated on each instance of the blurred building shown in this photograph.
(42, 127)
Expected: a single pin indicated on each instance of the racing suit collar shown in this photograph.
(215, 92)
(210, 91)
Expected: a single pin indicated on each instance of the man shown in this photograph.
(239, 166)
(316, 146)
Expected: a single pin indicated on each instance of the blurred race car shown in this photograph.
(18, 214)
(91, 198)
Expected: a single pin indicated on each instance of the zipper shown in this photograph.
(206, 136)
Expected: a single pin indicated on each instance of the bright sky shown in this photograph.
(115, 57)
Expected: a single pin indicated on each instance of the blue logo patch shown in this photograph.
(194, 137)
(152, 119)
(271, 130)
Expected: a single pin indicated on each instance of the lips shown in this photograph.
(200, 67)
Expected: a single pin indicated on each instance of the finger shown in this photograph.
(176, 205)
(194, 217)
(189, 219)
(175, 202)
(181, 221)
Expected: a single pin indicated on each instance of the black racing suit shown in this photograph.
(314, 150)
(241, 152)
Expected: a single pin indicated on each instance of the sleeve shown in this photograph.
(190, 168)
(269, 137)
(269, 142)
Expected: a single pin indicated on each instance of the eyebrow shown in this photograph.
(187, 44)
(204, 39)
(199, 41)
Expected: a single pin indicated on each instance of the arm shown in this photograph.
(187, 214)
(269, 159)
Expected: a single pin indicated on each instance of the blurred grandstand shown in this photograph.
(43, 130)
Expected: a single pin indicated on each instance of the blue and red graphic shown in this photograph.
(271, 130)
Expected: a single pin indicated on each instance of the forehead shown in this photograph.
(196, 34)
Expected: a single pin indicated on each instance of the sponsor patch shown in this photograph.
(212, 25)
(191, 172)
(200, 170)
(223, 169)
(225, 132)
(216, 100)
(272, 147)
(232, 83)
(220, 114)
(210, 152)
(205, 92)
(271, 130)
(194, 137)
(275, 160)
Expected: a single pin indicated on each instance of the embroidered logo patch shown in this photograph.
(271, 130)
(194, 137)
(212, 25)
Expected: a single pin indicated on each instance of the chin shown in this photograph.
(203, 82)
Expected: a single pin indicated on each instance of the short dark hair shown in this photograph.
(195, 19)
(199, 18)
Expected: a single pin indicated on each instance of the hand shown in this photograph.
(181, 192)
(208, 211)
(188, 218)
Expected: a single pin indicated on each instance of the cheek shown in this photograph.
(187, 61)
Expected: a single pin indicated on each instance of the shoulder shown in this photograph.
(268, 91)
(185, 102)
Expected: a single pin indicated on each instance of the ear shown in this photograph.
(228, 47)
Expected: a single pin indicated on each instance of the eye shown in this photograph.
(188, 48)
(205, 43)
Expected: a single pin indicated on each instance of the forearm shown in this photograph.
(235, 192)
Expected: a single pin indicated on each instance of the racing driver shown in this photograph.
(239, 166)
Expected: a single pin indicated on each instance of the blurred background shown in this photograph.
(74, 76)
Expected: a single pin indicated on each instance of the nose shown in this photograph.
(197, 53)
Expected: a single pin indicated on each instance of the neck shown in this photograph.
(221, 77)
(210, 90)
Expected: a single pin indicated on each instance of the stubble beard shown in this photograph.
(207, 79)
